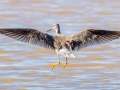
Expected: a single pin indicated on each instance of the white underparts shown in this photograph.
(65, 52)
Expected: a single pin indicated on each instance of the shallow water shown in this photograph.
(28, 67)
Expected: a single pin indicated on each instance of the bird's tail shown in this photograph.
(70, 56)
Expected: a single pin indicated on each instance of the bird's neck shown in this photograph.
(58, 31)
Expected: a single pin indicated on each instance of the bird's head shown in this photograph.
(55, 27)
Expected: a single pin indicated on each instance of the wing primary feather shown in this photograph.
(32, 36)
(91, 37)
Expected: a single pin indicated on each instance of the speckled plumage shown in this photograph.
(62, 44)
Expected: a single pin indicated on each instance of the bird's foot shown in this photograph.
(64, 65)
(55, 64)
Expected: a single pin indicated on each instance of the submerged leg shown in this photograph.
(55, 64)
(65, 63)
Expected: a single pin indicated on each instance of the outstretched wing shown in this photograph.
(31, 36)
(91, 37)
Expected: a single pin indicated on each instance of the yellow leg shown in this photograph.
(65, 63)
(55, 64)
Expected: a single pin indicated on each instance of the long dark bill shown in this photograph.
(50, 30)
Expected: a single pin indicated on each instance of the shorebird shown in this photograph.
(63, 45)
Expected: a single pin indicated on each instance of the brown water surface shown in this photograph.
(28, 67)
